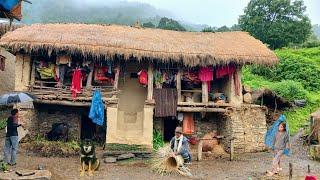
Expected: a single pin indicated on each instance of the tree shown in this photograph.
(208, 29)
(276, 22)
(170, 24)
(148, 25)
(223, 29)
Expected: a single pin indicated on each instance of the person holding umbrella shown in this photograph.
(12, 141)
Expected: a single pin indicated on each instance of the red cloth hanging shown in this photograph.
(76, 83)
(143, 77)
(310, 178)
(188, 123)
(206, 75)
(225, 70)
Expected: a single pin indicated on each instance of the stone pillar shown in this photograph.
(112, 117)
(148, 125)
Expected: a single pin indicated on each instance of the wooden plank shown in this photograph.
(61, 102)
(209, 104)
(232, 149)
(194, 90)
(205, 95)
(89, 79)
(150, 82)
(33, 73)
(199, 158)
(200, 109)
(178, 78)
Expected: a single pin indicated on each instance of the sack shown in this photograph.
(143, 77)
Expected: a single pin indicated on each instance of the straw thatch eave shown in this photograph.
(189, 48)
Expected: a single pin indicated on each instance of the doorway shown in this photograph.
(169, 126)
(90, 130)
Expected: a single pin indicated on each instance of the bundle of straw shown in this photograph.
(165, 163)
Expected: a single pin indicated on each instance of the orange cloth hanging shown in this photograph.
(188, 123)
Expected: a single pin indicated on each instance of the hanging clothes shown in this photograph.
(63, 59)
(225, 70)
(272, 132)
(158, 80)
(76, 82)
(206, 75)
(96, 113)
(47, 72)
(166, 102)
(143, 77)
(188, 123)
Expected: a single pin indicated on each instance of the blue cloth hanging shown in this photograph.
(97, 108)
(272, 132)
(9, 4)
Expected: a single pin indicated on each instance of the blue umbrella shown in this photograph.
(14, 98)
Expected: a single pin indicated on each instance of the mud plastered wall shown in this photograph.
(7, 77)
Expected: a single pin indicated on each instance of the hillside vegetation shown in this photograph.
(297, 76)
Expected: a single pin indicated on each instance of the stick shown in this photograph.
(290, 171)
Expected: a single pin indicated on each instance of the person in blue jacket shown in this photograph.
(180, 145)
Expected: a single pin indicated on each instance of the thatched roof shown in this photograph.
(192, 48)
(316, 114)
(5, 27)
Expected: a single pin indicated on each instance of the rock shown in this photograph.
(247, 98)
(315, 152)
(110, 160)
(247, 89)
(125, 156)
(38, 175)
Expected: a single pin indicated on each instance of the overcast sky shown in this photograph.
(216, 12)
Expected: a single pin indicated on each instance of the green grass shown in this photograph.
(3, 123)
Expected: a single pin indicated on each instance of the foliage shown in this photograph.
(4, 166)
(275, 22)
(148, 25)
(157, 140)
(208, 29)
(170, 24)
(3, 123)
(223, 29)
(300, 65)
(289, 89)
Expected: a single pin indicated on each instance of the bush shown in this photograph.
(290, 90)
(157, 140)
(3, 123)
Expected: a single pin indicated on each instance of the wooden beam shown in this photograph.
(200, 145)
(89, 79)
(116, 77)
(150, 82)
(33, 73)
(65, 103)
(178, 78)
(201, 109)
(205, 95)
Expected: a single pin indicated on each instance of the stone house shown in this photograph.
(149, 79)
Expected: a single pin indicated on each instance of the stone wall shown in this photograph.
(40, 119)
(248, 128)
(7, 76)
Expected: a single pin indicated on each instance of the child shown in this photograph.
(280, 145)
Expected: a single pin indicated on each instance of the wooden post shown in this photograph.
(116, 78)
(89, 80)
(33, 74)
(290, 171)
(205, 95)
(179, 85)
(200, 150)
(150, 82)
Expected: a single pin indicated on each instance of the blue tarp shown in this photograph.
(97, 108)
(9, 4)
(272, 132)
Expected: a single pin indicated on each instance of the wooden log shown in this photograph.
(232, 149)
(33, 73)
(290, 171)
(150, 82)
(178, 78)
(116, 78)
(200, 144)
(205, 94)
(61, 102)
(201, 109)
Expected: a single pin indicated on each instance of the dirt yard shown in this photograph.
(247, 166)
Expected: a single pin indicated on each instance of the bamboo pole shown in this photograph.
(205, 95)
(150, 82)
(179, 85)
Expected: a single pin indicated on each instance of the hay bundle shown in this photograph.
(164, 163)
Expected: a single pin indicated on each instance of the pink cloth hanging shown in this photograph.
(206, 75)
(225, 70)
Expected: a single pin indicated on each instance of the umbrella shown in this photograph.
(13, 98)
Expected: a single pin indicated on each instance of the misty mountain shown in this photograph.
(98, 12)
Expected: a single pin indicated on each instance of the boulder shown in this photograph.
(125, 156)
(110, 160)
(247, 89)
(247, 98)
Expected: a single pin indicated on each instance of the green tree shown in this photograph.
(208, 29)
(148, 25)
(170, 24)
(276, 22)
(223, 29)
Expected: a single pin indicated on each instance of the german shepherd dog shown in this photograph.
(88, 159)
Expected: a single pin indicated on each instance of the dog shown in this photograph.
(88, 159)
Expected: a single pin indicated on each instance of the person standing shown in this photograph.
(12, 140)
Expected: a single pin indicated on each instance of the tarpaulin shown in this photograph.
(8, 4)
(272, 132)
